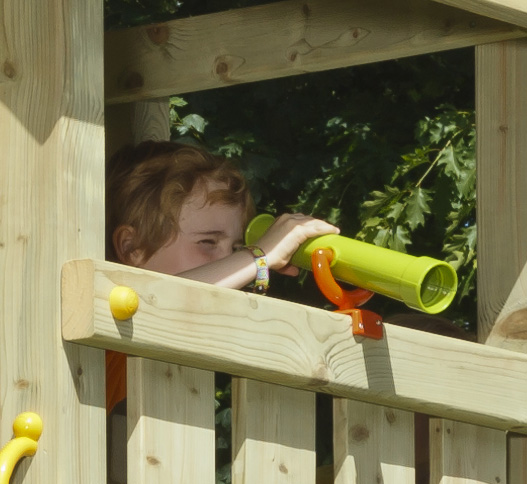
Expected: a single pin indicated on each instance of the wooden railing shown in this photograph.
(280, 354)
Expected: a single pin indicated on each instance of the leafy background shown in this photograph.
(385, 151)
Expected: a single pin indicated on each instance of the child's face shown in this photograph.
(206, 233)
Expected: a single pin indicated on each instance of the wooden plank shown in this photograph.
(151, 120)
(512, 11)
(466, 454)
(51, 210)
(209, 327)
(372, 443)
(282, 39)
(273, 434)
(517, 462)
(170, 423)
(501, 110)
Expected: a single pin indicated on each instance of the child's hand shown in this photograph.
(286, 234)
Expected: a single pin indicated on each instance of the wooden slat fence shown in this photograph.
(297, 351)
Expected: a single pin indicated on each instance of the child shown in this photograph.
(176, 209)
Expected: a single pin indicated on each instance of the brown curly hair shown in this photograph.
(148, 184)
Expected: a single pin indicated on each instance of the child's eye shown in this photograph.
(207, 242)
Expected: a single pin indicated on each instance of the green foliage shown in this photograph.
(130, 13)
(363, 148)
(431, 199)
(192, 125)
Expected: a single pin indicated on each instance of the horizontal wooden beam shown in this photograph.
(511, 11)
(204, 326)
(283, 39)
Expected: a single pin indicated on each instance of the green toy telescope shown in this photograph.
(422, 283)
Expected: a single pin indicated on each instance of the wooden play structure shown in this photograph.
(69, 93)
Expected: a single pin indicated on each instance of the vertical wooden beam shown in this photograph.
(151, 120)
(372, 443)
(462, 453)
(273, 434)
(501, 117)
(51, 210)
(136, 122)
(170, 423)
(516, 459)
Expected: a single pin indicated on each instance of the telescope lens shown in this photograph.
(438, 287)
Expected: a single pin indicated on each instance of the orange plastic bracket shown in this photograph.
(363, 322)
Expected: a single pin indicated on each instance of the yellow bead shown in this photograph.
(123, 302)
(28, 424)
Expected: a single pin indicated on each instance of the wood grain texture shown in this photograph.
(151, 120)
(466, 454)
(51, 210)
(372, 444)
(170, 423)
(283, 39)
(273, 434)
(517, 462)
(501, 121)
(189, 323)
(512, 11)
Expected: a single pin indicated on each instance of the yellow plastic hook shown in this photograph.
(27, 428)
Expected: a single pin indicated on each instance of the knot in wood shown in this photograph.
(134, 80)
(222, 69)
(21, 384)
(514, 325)
(153, 461)
(359, 433)
(390, 416)
(159, 34)
(9, 69)
(225, 67)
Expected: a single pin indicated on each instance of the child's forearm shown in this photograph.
(235, 271)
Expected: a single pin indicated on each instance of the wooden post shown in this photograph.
(170, 423)
(462, 453)
(51, 210)
(273, 433)
(372, 443)
(502, 199)
(501, 107)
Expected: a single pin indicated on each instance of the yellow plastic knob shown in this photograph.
(123, 302)
(28, 424)
(27, 428)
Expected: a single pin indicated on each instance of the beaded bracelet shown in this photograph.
(261, 283)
